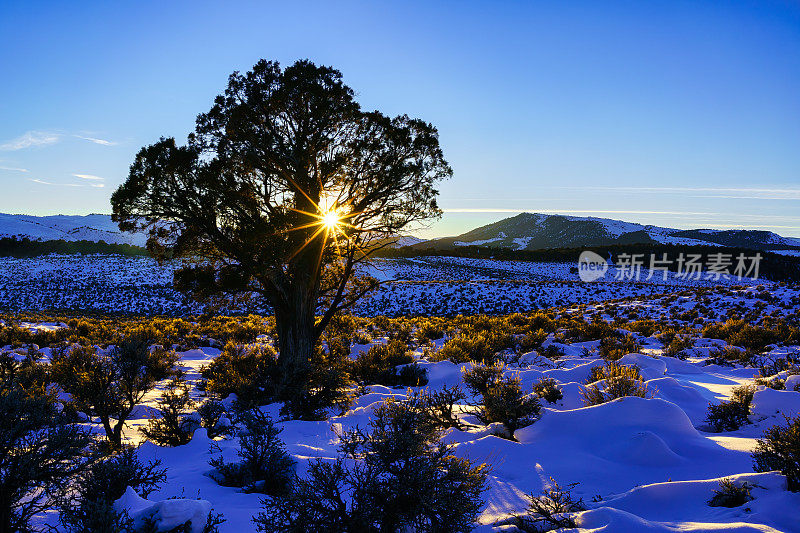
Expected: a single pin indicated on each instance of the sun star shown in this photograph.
(330, 220)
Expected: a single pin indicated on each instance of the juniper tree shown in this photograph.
(284, 188)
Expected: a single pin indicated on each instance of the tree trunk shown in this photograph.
(296, 339)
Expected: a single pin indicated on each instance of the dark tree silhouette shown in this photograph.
(285, 186)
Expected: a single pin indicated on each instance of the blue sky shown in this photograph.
(683, 114)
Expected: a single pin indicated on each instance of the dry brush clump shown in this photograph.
(393, 475)
(752, 337)
(731, 494)
(109, 386)
(548, 390)
(380, 365)
(249, 371)
(501, 398)
(41, 450)
(174, 426)
(779, 449)
(611, 381)
(551, 510)
(732, 414)
(265, 466)
(90, 506)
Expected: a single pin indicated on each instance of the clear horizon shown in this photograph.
(683, 115)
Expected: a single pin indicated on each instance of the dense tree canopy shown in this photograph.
(285, 186)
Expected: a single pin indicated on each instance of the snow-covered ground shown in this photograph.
(419, 286)
(641, 464)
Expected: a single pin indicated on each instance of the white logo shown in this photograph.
(591, 266)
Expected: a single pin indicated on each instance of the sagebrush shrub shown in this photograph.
(732, 414)
(90, 507)
(441, 405)
(265, 466)
(618, 381)
(378, 364)
(551, 510)
(548, 390)
(481, 347)
(779, 449)
(250, 372)
(325, 385)
(430, 330)
(478, 378)
(173, 426)
(612, 369)
(110, 386)
(505, 402)
(397, 476)
(614, 347)
(39, 452)
(730, 494)
(677, 345)
(213, 418)
(729, 355)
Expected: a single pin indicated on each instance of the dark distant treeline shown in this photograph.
(25, 247)
(772, 266)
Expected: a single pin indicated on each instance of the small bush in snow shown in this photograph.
(110, 386)
(676, 345)
(325, 386)
(430, 329)
(379, 365)
(618, 381)
(482, 347)
(213, 418)
(613, 370)
(583, 331)
(478, 378)
(395, 476)
(732, 414)
(250, 372)
(552, 352)
(772, 383)
(505, 402)
(39, 452)
(614, 347)
(548, 390)
(730, 494)
(265, 466)
(173, 427)
(728, 356)
(550, 510)
(779, 449)
(151, 525)
(90, 507)
(440, 405)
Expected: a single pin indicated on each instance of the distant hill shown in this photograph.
(526, 231)
(536, 231)
(94, 228)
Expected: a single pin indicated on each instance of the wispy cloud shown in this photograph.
(30, 139)
(572, 211)
(43, 182)
(742, 193)
(96, 140)
(88, 177)
(13, 169)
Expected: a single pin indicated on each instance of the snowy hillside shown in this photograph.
(95, 227)
(532, 231)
